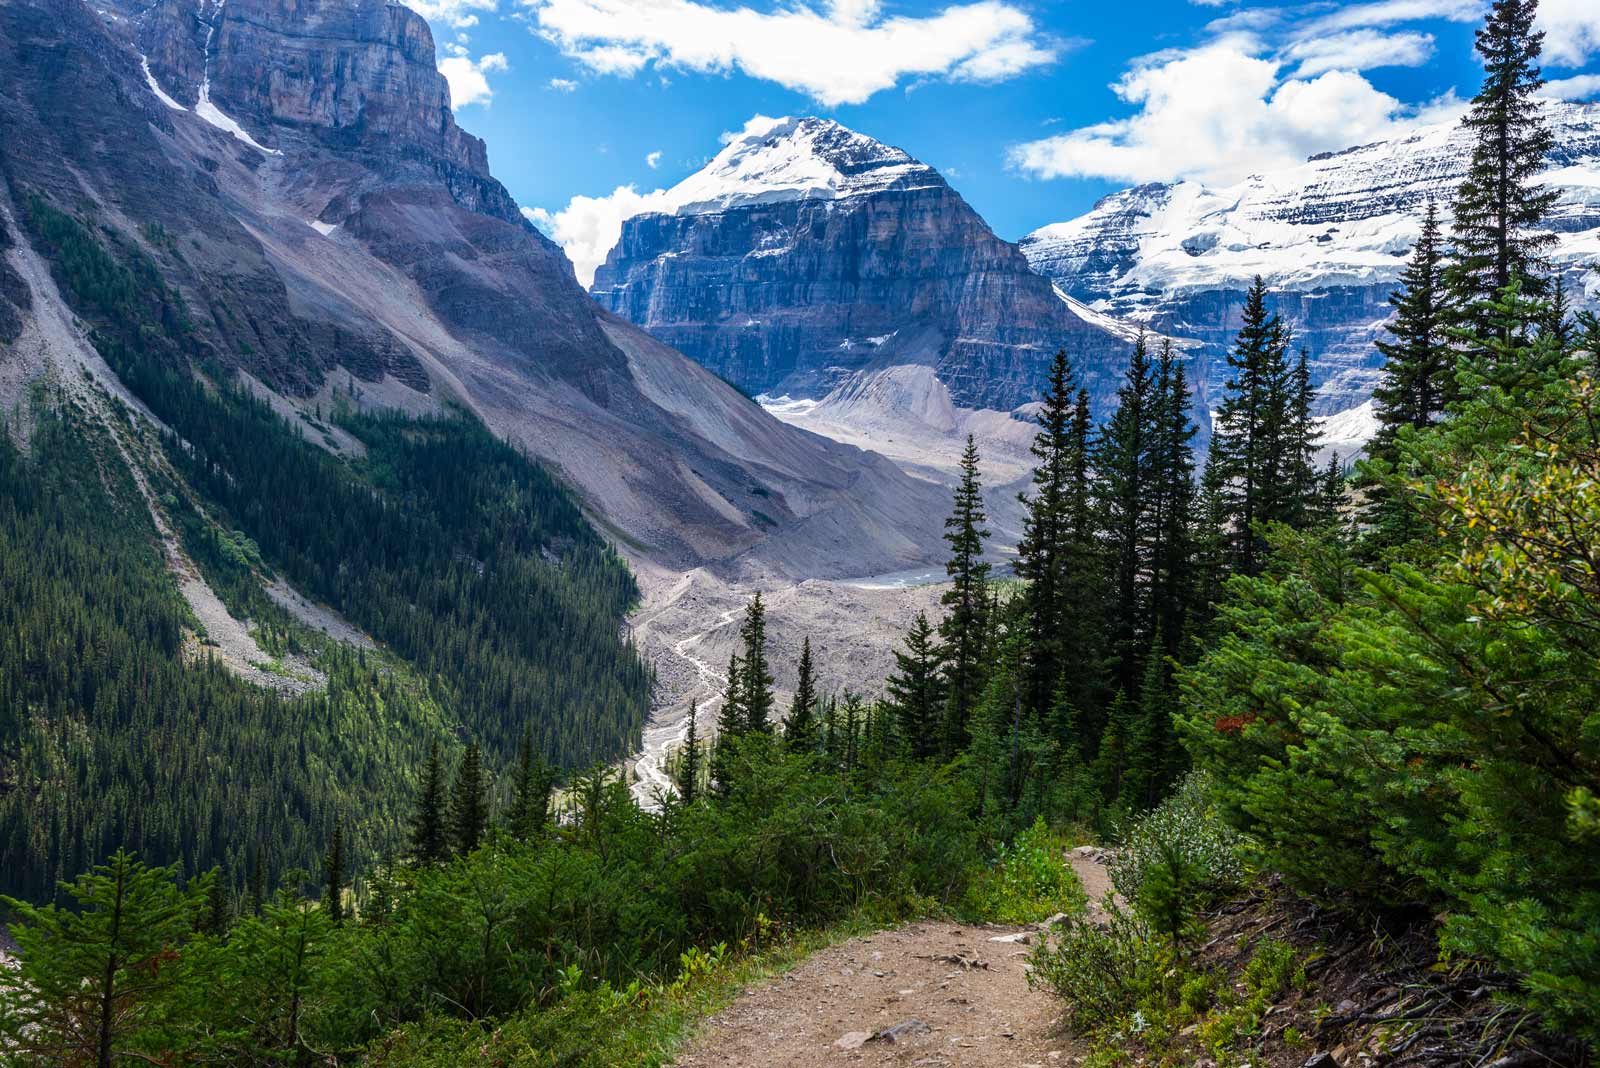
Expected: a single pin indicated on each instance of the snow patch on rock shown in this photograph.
(155, 86)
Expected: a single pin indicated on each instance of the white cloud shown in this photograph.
(1571, 31)
(1581, 87)
(469, 82)
(839, 53)
(457, 14)
(1361, 49)
(1216, 113)
(588, 227)
(653, 160)
(1392, 12)
(563, 85)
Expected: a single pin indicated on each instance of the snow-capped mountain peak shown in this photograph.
(775, 160)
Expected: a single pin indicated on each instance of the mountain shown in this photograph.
(294, 171)
(1329, 236)
(805, 253)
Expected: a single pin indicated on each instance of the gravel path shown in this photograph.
(933, 995)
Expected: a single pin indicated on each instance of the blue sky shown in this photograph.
(1031, 109)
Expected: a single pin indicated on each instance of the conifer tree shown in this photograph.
(218, 915)
(469, 814)
(757, 680)
(334, 865)
(530, 808)
(1125, 463)
(1172, 554)
(88, 984)
(1057, 554)
(1260, 468)
(917, 689)
(800, 729)
(1150, 742)
(429, 842)
(1418, 376)
(965, 602)
(1499, 204)
(1111, 762)
(687, 779)
(731, 724)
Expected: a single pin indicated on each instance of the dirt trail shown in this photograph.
(920, 980)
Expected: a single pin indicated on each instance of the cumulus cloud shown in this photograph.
(1216, 113)
(468, 78)
(1581, 87)
(841, 52)
(457, 14)
(563, 85)
(653, 160)
(1362, 49)
(588, 227)
(1571, 31)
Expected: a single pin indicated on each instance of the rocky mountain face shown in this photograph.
(293, 170)
(1329, 236)
(805, 253)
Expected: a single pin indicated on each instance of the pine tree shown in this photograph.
(88, 984)
(757, 680)
(1150, 741)
(800, 729)
(966, 601)
(428, 830)
(1418, 376)
(687, 779)
(333, 874)
(530, 809)
(917, 689)
(1499, 204)
(469, 814)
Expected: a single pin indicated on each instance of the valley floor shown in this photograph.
(688, 623)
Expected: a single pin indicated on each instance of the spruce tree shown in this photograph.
(218, 915)
(731, 724)
(1058, 553)
(530, 808)
(1499, 205)
(756, 679)
(1125, 463)
(469, 814)
(334, 865)
(917, 689)
(1172, 573)
(800, 729)
(1418, 376)
(965, 602)
(1260, 469)
(88, 986)
(687, 779)
(428, 830)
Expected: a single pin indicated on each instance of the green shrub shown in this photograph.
(1029, 881)
(1186, 841)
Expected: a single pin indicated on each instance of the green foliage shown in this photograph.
(1103, 969)
(1029, 880)
(1186, 835)
(564, 942)
(91, 982)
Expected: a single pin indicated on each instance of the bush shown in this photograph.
(1029, 881)
(1184, 840)
(1103, 971)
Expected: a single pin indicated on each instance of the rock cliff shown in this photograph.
(805, 252)
(293, 169)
